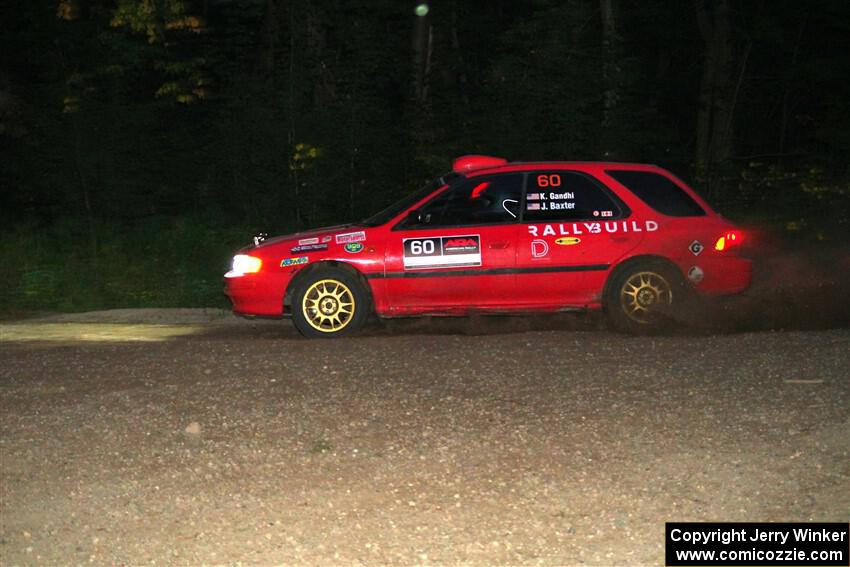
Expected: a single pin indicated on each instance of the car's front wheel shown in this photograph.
(329, 303)
(645, 297)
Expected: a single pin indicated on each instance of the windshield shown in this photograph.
(390, 212)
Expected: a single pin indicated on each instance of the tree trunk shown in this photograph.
(786, 94)
(716, 96)
(611, 41)
(271, 33)
(291, 137)
(459, 60)
(422, 47)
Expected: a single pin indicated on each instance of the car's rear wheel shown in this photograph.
(645, 297)
(329, 303)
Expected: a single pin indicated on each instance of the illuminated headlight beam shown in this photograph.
(244, 264)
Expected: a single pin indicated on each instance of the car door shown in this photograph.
(573, 229)
(458, 251)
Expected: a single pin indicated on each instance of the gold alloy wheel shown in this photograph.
(328, 306)
(643, 294)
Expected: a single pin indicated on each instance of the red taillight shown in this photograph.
(729, 240)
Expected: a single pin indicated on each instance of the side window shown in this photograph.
(480, 200)
(659, 192)
(567, 195)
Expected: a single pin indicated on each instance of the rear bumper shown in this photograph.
(254, 294)
(719, 275)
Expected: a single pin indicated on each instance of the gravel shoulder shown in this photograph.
(428, 443)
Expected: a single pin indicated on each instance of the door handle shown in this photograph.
(499, 245)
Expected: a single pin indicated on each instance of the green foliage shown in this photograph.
(150, 17)
(797, 201)
(160, 263)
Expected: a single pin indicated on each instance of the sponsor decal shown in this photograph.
(696, 247)
(577, 228)
(294, 261)
(695, 274)
(459, 245)
(308, 248)
(353, 247)
(358, 236)
(307, 241)
(568, 241)
(539, 248)
(442, 252)
(327, 238)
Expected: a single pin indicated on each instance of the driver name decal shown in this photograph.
(442, 252)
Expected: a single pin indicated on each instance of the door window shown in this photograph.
(478, 201)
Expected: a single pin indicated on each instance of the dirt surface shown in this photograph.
(191, 437)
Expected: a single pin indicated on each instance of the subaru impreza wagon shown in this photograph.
(499, 237)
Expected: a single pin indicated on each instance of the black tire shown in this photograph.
(329, 303)
(646, 298)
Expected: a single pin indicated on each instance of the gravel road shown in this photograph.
(210, 442)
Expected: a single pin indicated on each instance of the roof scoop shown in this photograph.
(468, 163)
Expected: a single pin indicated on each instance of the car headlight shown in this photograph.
(244, 264)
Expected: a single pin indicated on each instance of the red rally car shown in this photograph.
(499, 237)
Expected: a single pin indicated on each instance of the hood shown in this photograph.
(313, 233)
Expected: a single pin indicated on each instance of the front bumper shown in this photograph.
(257, 294)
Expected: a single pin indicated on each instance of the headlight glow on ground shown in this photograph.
(93, 332)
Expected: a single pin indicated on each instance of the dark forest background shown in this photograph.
(143, 141)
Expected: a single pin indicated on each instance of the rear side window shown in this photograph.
(566, 195)
(659, 192)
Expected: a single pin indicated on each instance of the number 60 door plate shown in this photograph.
(442, 252)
